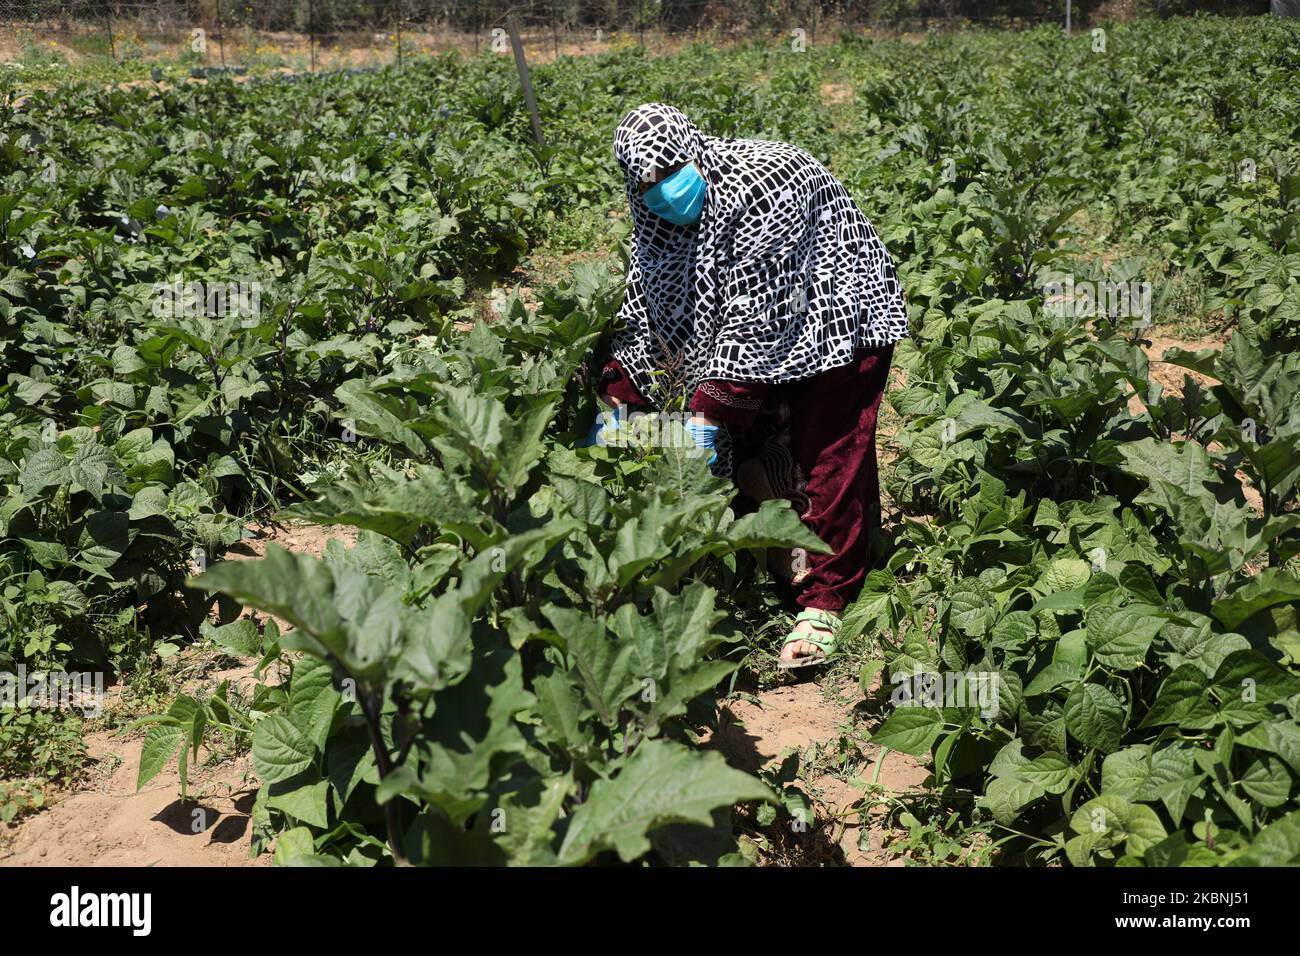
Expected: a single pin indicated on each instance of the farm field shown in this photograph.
(294, 373)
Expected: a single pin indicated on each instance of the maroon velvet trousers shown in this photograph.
(816, 439)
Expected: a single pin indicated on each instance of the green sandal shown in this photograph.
(825, 623)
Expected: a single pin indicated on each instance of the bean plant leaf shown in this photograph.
(1095, 717)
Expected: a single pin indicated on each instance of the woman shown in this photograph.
(757, 288)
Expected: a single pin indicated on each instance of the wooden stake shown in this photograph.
(525, 80)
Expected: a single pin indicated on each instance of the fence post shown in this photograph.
(399, 34)
(1067, 17)
(311, 35)
(221, 36)
(524, 79)
(108, 19)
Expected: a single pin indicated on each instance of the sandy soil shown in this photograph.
(1170, 376)
(103, 821)
(302, 538)
(758, 730)
(108, 823)
(833, 94)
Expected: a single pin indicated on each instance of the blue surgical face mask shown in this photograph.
(679, 198)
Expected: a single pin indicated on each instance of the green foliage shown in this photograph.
(512, 663)
(1112, 556)
(38, 749)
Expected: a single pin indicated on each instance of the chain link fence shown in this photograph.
(339, 34)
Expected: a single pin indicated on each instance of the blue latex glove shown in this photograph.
(608, 422)
(705, 436)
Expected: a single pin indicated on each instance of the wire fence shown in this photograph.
(331, 34)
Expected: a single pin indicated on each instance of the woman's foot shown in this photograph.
(796, 651)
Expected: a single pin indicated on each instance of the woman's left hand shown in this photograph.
(704, 431)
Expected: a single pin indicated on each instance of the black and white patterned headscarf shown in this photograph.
(782, 278)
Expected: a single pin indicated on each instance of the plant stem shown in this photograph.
(383, 761)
